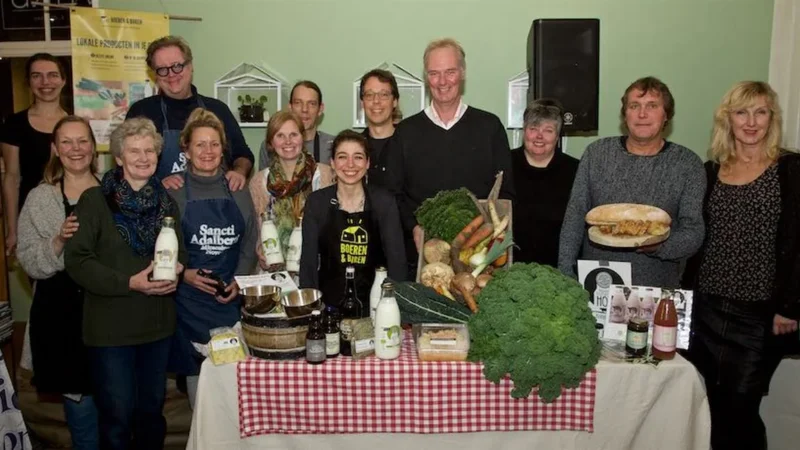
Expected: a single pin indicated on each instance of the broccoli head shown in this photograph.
(535, 325)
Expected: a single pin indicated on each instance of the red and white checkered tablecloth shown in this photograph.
(401, 396)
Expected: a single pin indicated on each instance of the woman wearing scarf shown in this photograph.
(291, 176)
(220, 232)
(128, 320)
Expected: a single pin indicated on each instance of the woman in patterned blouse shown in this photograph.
(747, 276)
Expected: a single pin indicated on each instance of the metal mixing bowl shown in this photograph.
(301, 302)
(260, 299)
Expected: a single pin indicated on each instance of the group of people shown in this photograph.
(89, 242)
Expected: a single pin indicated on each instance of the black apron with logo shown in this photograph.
(60, 360)
(349, 239)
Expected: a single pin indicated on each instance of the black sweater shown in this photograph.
(541, 200)
(431, 159)
(315, 215)
(786, 292)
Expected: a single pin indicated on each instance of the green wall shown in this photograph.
(698, 47)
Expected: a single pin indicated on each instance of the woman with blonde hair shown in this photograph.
(47, 222)
(128, 319)
(291, 176)
(747, 276)
(220, 232)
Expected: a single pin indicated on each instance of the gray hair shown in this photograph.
(543, 110)
(137, 126)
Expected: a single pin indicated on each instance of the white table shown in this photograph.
(781, 408)
(637, 407)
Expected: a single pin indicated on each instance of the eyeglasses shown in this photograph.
(175, 68)
(382, 96)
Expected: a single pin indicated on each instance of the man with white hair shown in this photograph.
(448, 145)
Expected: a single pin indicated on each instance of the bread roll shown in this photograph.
(617, 212)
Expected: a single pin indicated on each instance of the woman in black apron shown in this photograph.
(60, 362)
(350, 224)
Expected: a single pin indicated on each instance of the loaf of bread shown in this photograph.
(442, 345)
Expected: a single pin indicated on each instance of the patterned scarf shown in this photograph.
(137, 214)
(289, 195)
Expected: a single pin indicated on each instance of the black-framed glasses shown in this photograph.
(175, 68)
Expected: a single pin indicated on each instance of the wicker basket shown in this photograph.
(503, 208)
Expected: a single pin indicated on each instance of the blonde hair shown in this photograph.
(744, 95)
(277, 121)
(442, 43)
(137, 126)
(54, 170)
(202, 118)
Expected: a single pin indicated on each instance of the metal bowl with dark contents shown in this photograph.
(301, 302)
(260, 299)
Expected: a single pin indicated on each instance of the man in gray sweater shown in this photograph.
(641, 167)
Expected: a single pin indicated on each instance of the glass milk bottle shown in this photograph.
(166, 254)
(375, 292)
(295, 248)
(270, 242)
(387, 324)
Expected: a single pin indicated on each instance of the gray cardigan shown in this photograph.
(673, 180)
(39, 223)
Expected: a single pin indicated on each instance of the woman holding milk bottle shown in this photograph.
(128, 315)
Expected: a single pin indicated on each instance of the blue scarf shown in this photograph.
(137, 214)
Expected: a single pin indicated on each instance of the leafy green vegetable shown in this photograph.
(446, 214)
(535, 325)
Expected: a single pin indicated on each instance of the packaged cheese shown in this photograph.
(225, 346)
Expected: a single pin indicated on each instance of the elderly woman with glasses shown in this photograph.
(543, 177)
(128, 320)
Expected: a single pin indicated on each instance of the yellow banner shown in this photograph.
(109, 72)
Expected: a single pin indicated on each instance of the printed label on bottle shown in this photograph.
(665, 338)
(315, 350)
(346, 328)
(364, 345)
(332, 343)
(636, 340)
(389, 337)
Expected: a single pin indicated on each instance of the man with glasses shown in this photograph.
(305, 100)
(171, 59)
(448, 145)
(379, 97)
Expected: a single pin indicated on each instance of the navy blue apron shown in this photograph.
(349, 239)
(213, 230)
(172, 159)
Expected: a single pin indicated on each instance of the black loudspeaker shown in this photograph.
(564, 64)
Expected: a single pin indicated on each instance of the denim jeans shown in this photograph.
(130, 384)
(82, 423)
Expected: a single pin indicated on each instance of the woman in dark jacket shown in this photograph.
(350, 224)
(543, 178)
(747, 276)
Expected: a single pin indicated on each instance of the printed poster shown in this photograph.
(109, 72)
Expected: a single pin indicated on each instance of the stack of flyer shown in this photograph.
(6, 322)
